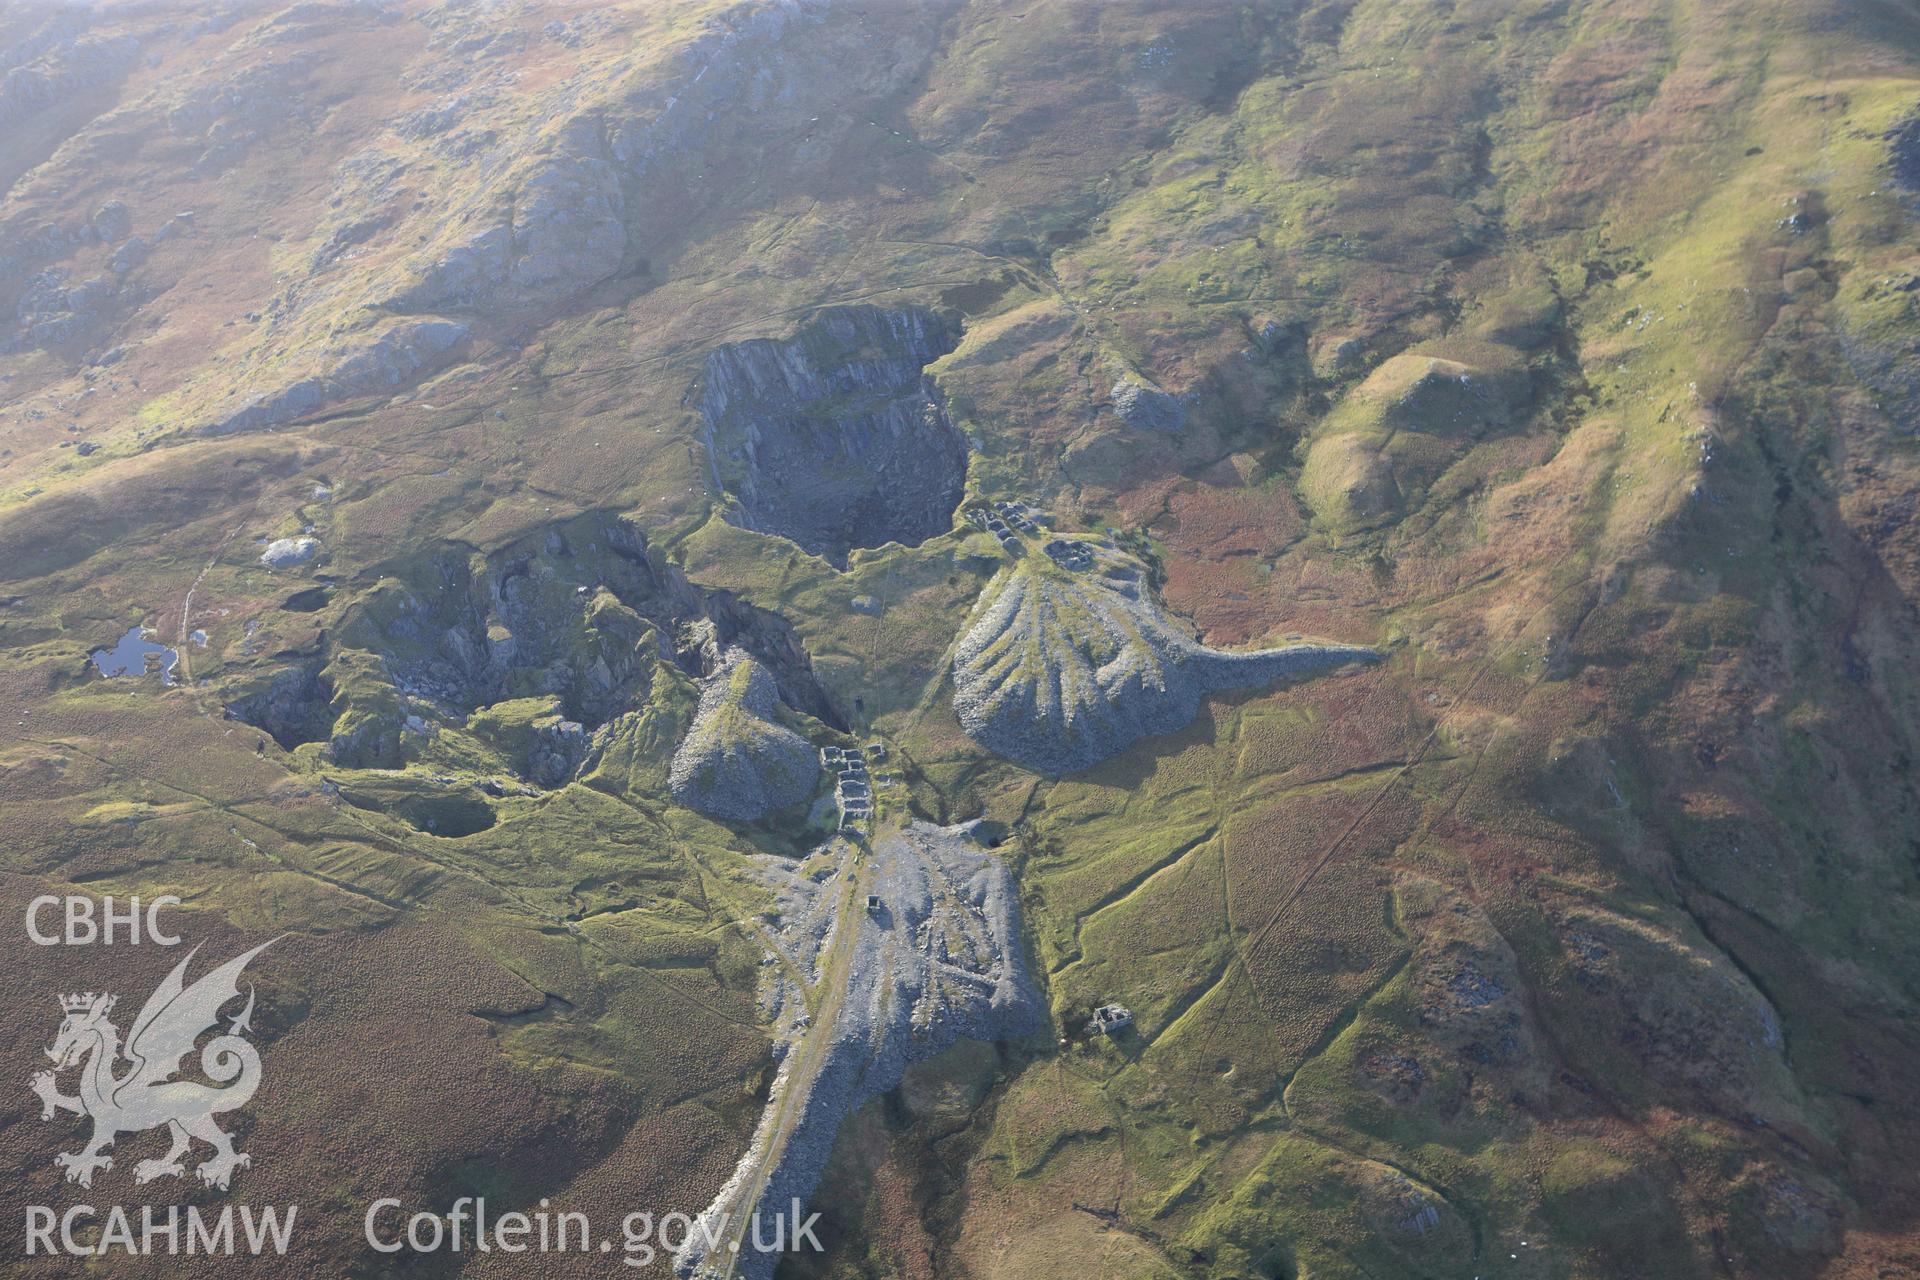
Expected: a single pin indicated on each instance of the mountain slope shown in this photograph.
(1561, 354)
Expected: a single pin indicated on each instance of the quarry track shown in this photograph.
(797, 1078)
(936, 958)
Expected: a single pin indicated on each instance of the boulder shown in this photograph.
(290, 553)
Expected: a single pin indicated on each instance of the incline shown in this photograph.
(937, 958)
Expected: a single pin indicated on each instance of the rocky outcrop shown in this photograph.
(129, 255)
(552, 218)
(1143, 405)
(399, 354)
(29, 34)
(737, 761)
(582, 194)
(534, 206)
(937, 960)
(380, 359)
(111, 222)
(1903, 153)
(50, 311)
(563, 231)
(61, 69)
(835, 437)
(1061, 667)
(226, 119)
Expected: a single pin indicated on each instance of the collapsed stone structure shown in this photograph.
(852, 786)
(1006, 521)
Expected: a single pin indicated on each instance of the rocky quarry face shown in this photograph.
(542, 648)
(1061, 667)
(937, 960)
(294, 707)
(333, 333)
(836, 437)
(737, 761)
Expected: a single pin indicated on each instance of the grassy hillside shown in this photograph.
(1562, 351)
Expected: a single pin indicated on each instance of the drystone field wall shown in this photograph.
(939, 959)
(836, 437)
(1060, 668)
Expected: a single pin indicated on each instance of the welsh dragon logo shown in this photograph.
(145, 1095)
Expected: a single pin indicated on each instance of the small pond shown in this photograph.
(135, 655)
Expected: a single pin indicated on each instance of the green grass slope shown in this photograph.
(1562, 352)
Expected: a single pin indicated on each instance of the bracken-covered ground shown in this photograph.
(1562, 351)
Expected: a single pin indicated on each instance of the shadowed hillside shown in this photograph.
(1396, 523)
